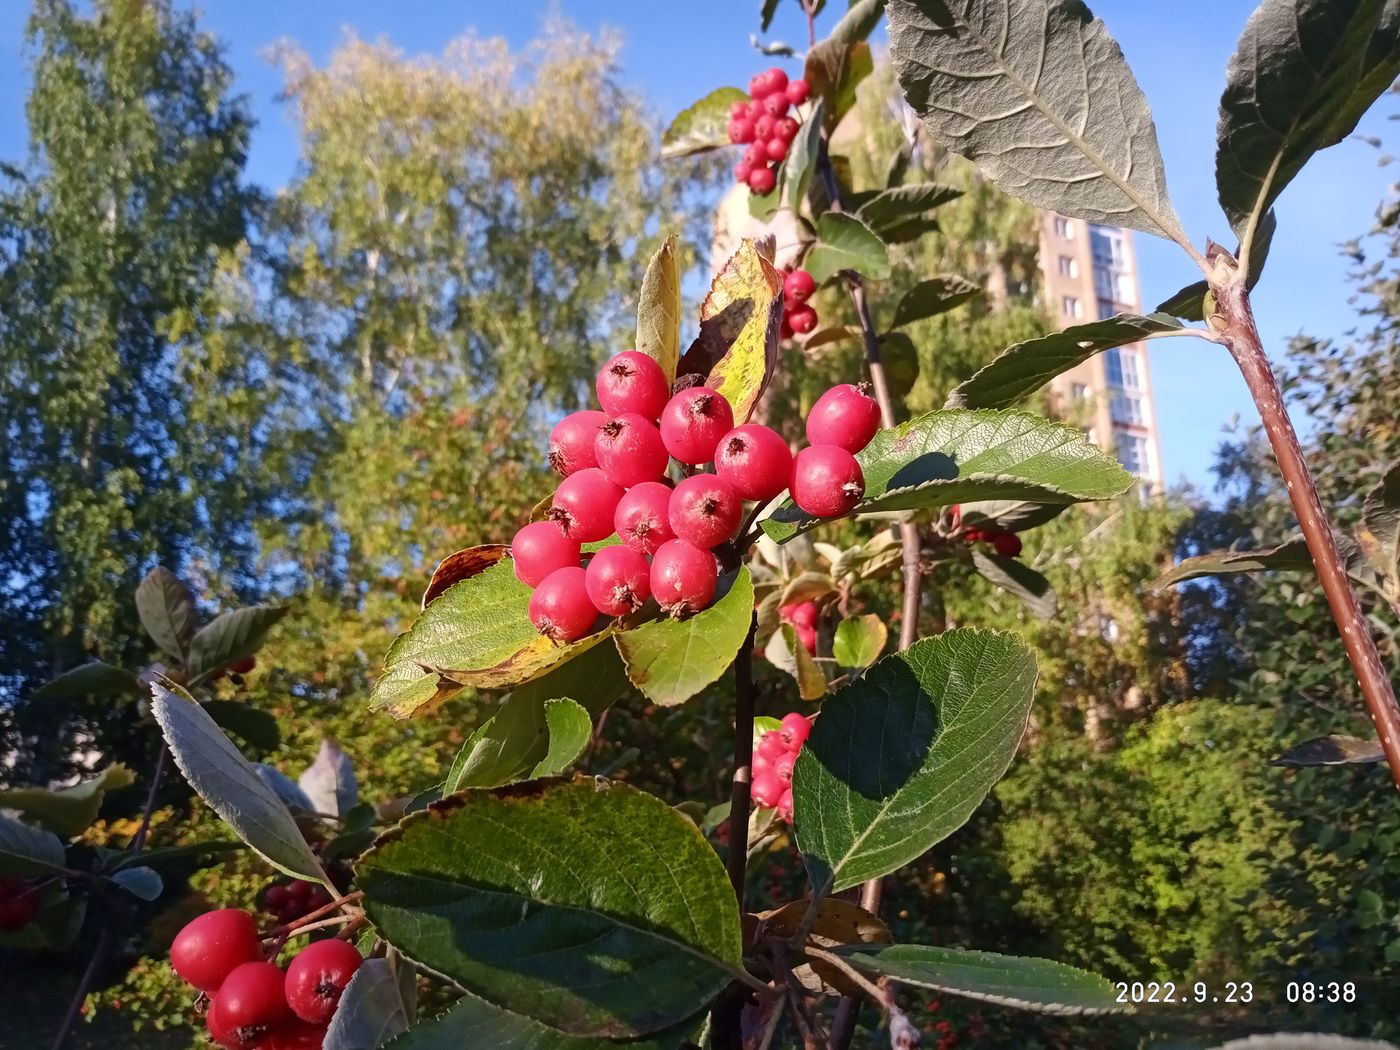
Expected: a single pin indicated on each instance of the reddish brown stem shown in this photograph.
(1241, 335)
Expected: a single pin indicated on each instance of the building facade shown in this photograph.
(1090, 272)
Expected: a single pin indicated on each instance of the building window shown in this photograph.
(1121, 367)
(1063, 228)
(1069, 306)
(1069, 267)
(1108, 247)
(1126, 408)
(1107, 309)
(1132, 453)
(1079, 391)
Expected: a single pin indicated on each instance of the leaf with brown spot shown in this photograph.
(837, 923)
(463, 565)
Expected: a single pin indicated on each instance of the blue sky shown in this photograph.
(675, 52)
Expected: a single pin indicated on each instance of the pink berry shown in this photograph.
(252, 1002)
(756, 155)
(630, 450)
(775, 82)
(800, 614)
(705, 510)
(584, 504)
(826, 481)
(633, 382)
(795, 728)
(741, 172)
(802, 319)
(571, 441)
(741, 131)
(618, 581)
(755, 109)
(759, 763)
(211, 945)
(782, 768)
(560, 608)
(771, 745)
(642, 517)
(738, 110)
(776, 106)
(786, 331)
(786, 129)
(797, 92)
(693, 422)
(766, 789)
(755, 460)
(317, 976)
(537, 549)
(683, 577)
(1007, 544)
(844, 416)
(785, 806)
(798, 286)
(758, 85)
(763, 129)
(777, 148)
(762, 181)
(807, 636)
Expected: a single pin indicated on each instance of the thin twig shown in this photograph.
(738, 846)
(880, 995)
(138, 841)
(805, 1024)
(810, 7)
(70, 1017)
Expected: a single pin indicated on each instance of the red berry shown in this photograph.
(807, 636)
(1007, 544)
(584, 504)
(802, 319)
(771, 745)
(800, 614)
(252, 1002)
(737, 110)
(298, 1035)
(693, 422)
(976, 536)
(782, 768)
(756, 155)
(798, 286)
(826, 481)
(786, 331)
(755, 109)
(785, 806)
(19, 902)
(795, 730)
(630, 450)
(705, 510)
(642, 517)
(319, 898)
(762, 181)
(776, 106)
(741, 171)
(844, 416)
(618, 581)
(759, 763)
(560, 609)
(208, 949)
(777, 148)
(221, 1033)
(740, 130)
(762, 132)
(797, 92)
(243, 664)
(758, 85)
(766, 789)
(571, 441)
(785, 129)
(537, 550)
(775, 82)
(300, 889)
(633, 382)
(275, 897)
(317, 976)
(755, 460)
(683, 577)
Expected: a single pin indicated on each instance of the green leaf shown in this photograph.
(1009, 515)
(833, 70)
(736, 351)
(587, 905)
(89, 679)
(162, 855)
(512, 744)
(476, 633)
(1379, 534)
(930, 298)
(329, 782)
(1286, 557)
(899, 165)
(1006, 980)
(1023, 368)
(140, 881)
(372, 1011)
(569, 731)
(472, 1022)
(703, 126)
(763, 206)
(166, 609)
(257, 728)
(228, 783)
(672, 660)
(231, 636)
(284, 787)
(846, 243)
(901, 757)
(1039, 96)
(901, 360)
(858, 22)
(770, 8)
(801, 160)
(1302, 75)
(860, 640)
(952, 456)
(1333, 750)
(67, 811)
(786, 653)
(1017, 579)
(28, 851)
(659, 309)
(888, 210)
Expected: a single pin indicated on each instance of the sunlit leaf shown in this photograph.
(702, 126)
(1290, 556)
(329, 782)
(846, 243)
(166, 608)
(67, 811)
(659, 309)
(231, 636)
(930, 298)
(1336, 750)
(89, 679)
(860, 640)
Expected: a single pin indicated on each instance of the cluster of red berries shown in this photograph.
(19, 900)
(289, 901)
(763, 125)
(615, 462)
(773, 760)
(254, 1004)
(799, 318)
(803, 617)
(1007, 544)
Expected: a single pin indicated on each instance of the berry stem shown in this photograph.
(738, 846)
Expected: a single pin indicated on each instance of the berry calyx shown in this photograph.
(584, 504)
(826, 481)
(802, 319)
(213, 945)
(537, 550)
(683, 577)
(252, 1003)
(782, 769)
(630, 451)
(766, 789)
(317, 976)
(571, 441)
(800, 614)
(755, 460)
(771, 747)
(794, 730)
(632, 382)
(642, 518)
(705, 510)
(798, 287)
(762, 181)
(797, 92)
(618, 580)
(1007, 544)
(693, 422)
(560, 608)
(845, 416)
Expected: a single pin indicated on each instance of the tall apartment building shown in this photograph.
(1090, 272)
